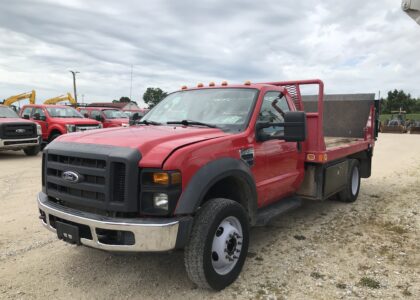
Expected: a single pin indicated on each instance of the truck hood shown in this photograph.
(155, 143)
(14, 120)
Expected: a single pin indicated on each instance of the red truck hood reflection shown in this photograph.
(13, 120)
(155, 143)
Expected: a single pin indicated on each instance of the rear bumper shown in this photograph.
(10, 144)
(150, 234)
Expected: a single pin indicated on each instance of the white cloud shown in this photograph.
(354, 46)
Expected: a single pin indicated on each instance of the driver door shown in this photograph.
(38, 111)
(281, 163)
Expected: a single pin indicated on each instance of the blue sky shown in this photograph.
(354, 46)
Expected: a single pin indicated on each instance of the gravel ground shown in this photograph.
(369, 249)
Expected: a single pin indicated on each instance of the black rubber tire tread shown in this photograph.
(53, 137)
(209, 216)
(32, 151)
(346, 195)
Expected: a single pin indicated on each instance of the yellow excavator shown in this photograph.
(30, 95)
(62, 98)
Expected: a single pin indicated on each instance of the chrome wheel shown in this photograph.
(355, 180)
(227, 245)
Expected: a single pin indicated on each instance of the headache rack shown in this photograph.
(338, 125)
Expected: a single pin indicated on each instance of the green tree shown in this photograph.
(125, 99)
(398, 99)
(153, 96)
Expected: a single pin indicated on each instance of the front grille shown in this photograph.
(96, 179)
(119, 182)
(19, 131)
(86, 127)
(91, 185)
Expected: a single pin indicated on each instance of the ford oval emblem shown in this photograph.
(20, 130)
(71, 176)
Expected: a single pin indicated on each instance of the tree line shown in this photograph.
(398, 99)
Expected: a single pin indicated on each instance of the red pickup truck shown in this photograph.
(203, 166)
(56, 120)
(109, 117)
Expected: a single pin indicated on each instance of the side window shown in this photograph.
(39, 111)
(27, 112)
(84, 112)
(94, 114)
(273, 107)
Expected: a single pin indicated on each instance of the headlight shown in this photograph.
(70, 127)
(38, 129)
(160, 201)
(160, 191)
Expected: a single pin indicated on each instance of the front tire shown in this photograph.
(32, 151)
(351, 191)
(218, 245)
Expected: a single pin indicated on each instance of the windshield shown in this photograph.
(227, 108)
(6, 112)
(114, 114)
(63, 112)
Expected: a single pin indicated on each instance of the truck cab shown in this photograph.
(203, 166)
(56, 120)
(109, 117)
(17, 134)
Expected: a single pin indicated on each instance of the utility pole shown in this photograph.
(131, 81)
(74, 84)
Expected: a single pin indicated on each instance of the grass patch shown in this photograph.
(369, 282)
(409, 116)
(317, 275)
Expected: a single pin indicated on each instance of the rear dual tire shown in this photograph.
(351, 191)
(218, 245)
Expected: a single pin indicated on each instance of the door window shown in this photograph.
(94, 114)
(27, 112)
(39, 111)
(272, 111)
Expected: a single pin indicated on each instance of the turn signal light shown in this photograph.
(224, 83)
(161, 178)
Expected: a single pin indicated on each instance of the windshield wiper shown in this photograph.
(191, 122)
(146, 122)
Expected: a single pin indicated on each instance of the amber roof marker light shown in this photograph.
(224, 83)
(247, 82)
(184, 87)
(200, 85)
(212, 83)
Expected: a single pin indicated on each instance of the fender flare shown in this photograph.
(197, 188)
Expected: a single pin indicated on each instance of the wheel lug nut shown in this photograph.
(235, 257)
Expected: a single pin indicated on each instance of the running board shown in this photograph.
(266, 214)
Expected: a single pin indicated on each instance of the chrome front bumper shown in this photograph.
(150, 235)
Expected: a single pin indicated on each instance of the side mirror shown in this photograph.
(36, 116)
(295, 126)
(135, 116)
(86, 115)
(25, 117)
(99, 118)
(292, 130)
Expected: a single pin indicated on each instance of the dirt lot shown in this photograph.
(369, 249)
